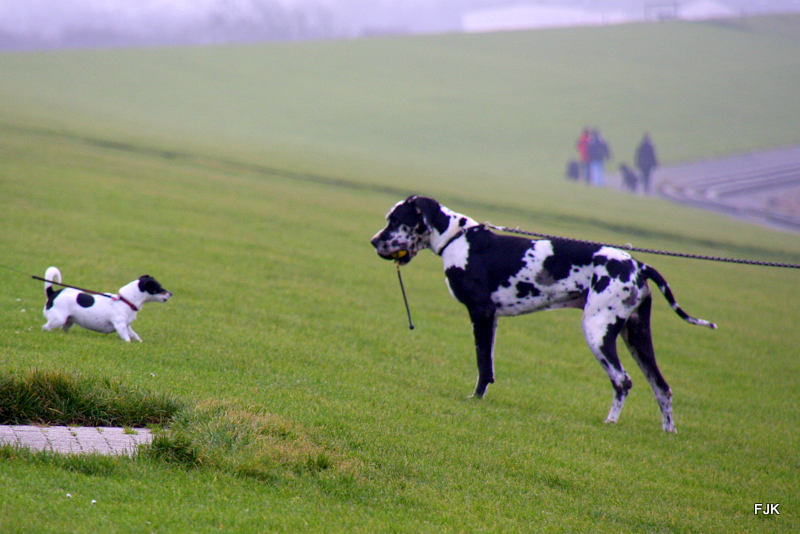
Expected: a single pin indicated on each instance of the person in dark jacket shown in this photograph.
(646, 160)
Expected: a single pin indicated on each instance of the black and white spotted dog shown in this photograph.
(498, 275)
(102, 313)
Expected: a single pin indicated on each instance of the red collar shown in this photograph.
(126, 301)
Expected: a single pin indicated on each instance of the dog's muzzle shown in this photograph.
(401, 256)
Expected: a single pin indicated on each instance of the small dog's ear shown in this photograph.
(148, 284)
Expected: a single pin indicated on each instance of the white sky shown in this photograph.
(51, 17)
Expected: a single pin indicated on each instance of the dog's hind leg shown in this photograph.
(601, 331)
(56, 321)
(484, 325)
(638, 339)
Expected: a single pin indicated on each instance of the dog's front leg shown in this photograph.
(484, 324)
(134, 335)
(122, 331)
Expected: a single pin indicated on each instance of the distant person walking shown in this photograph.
(599, 152)
(582, 145)
(646, 160)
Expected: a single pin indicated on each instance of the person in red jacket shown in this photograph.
(583, 153)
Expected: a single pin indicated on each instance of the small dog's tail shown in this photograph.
(52, 274)
(656, 277)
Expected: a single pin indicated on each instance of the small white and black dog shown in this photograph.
(106, 314)
(500, 275)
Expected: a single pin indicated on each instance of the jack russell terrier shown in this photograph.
(109, 313)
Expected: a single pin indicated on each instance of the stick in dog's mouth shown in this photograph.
(403, 290)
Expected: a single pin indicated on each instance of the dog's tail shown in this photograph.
(656, 277)
(52, 274)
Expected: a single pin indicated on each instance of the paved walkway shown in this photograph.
(75, 440)
(762, 187)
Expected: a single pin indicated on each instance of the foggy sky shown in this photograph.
(26, 24)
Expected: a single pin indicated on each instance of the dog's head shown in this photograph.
(152, 290)
(408, 229)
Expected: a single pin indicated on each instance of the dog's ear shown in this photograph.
(148, 284)
(431, 212)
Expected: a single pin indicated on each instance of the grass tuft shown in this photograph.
(246, 441)
(59, 398)
(173, 449)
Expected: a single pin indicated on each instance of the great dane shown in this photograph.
(499, 275)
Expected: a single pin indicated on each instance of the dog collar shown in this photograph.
(459, 234)
(126, 301)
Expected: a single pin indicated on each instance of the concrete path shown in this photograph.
(75, 440)
(763, 187)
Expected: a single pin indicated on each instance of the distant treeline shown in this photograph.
(243, 21)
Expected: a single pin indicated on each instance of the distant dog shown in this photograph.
(496, 275)
(102, 313)
(629, 178)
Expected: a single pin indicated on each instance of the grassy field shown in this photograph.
(249, 179)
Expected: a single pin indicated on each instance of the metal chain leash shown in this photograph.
(645, 250)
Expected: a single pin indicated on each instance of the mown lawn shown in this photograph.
(248, 180)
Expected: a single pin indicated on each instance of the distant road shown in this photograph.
(762, 186)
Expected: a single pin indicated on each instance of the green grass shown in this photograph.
(40, 397)
(243, 440)
(501, 111)
(249, 179)
(239, 440)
